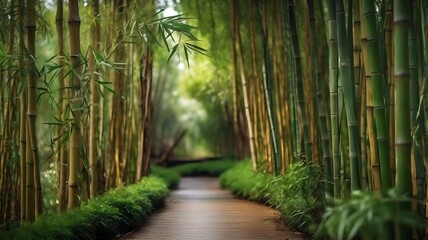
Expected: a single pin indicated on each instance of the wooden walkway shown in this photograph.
(199, 209)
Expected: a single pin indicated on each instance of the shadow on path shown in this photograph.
(200, 209)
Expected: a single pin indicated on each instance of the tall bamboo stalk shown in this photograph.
(267, 91)
(416, 123)
(76, 137)
(249, 122)
(63, 98)
(146, 114)
(32, 156)
(300, 88)
(257, 102)
(390, 78)
(377, 94)
(322, 123)
(403, 140)
(94, 111)
(334, 106)
(349, 94)
(236, 103)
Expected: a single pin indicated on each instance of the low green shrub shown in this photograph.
(171, 177)
(369, 215)
(104, 217)
(298, 194)
(210, 168)
(242, 181)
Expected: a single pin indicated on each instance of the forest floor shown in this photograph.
(200, 209)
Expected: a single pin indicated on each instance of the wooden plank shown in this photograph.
(199, 209)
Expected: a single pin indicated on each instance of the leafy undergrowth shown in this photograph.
(105, 217)
(369, 215)
(205, 168)
(171, 177)
(297, 195)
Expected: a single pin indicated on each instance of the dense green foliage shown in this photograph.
(366, 214)
(242, 181)
(298, 194)
(116, 212)
(171, 177)
(210, 168)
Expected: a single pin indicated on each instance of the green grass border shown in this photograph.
(105, 217)
(300, 205)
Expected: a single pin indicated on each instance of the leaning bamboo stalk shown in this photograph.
(300, 89)
(267, 93)
(249, 122)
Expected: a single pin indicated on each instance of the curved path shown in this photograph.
(199, 209)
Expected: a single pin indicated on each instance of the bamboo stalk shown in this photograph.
(379, 110)
(322, 123)
(416, 123)
(76, 137)
(300, 88)
(94, 110)
(333, 86)
(23, 110)
(349, 97)
(403, 138)
(32, 157)
(249, 122)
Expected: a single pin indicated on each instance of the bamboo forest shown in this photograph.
(214, 119)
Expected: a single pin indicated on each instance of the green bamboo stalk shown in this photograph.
(322, 123)
(333, 85)
(379, 109)
(63, 95)
(248, 119)
(403, 140)
(349, 94)
(76, 137)
(360, 89)
(390, 80)
(23, 109)
(425, 95)
(299, 76)
(416, 121)
(32, 156)
(374, 182)
(94, 110)
(267, 87)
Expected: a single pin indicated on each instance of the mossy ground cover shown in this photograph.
(297, 195)
(105, 217)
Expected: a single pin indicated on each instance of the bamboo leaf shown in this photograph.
(174, 49)
(186, 55)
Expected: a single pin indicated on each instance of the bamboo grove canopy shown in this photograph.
(339, 83)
